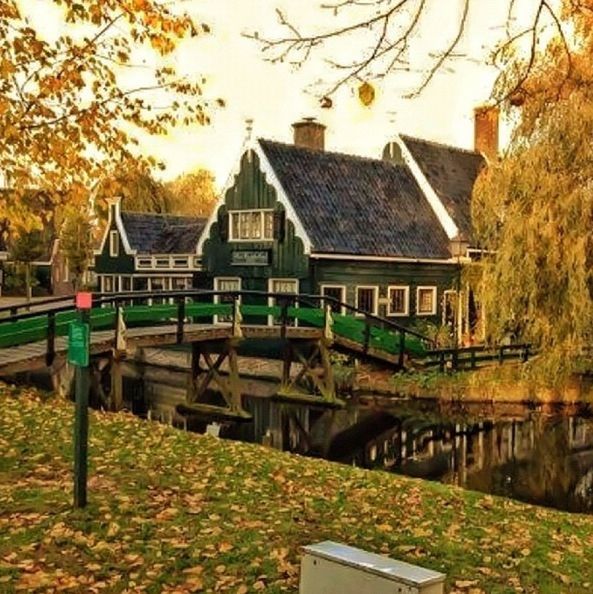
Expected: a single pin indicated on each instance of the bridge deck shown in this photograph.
(194, 316)
(32, 355)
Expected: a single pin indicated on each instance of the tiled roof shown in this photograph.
(353, 205)
(150, 233)
(452, 173)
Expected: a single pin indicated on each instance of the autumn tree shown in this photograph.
(533, 209)
(70, 107)
(77, 243)
(192, 193)
(24, 250)
(135, 183)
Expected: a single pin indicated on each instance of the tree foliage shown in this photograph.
(533, 211)
(69, 107)
(192, 193)
(77, 243)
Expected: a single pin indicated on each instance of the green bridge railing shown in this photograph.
(51, 318)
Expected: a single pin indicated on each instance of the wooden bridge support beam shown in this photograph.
(316, 376)
(206, 361)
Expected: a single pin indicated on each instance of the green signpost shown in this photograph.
(78, 355)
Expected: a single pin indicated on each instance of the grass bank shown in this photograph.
(507, 383)
(175, 512)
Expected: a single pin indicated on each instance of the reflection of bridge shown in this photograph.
(214, 323)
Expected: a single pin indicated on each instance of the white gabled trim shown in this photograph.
(291, 214)
(435, 202)
(271, 177)
(356, 257)
(116, 202)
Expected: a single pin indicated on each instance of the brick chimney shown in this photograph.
(309, 133)
(486, 131)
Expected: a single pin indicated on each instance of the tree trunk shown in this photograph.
(28, 288)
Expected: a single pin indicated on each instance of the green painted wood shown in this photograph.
(251, 190)
(35, 329)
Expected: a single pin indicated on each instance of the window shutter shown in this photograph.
(279, 225)
(223, 225)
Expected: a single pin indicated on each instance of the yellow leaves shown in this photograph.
(366, 94)
(6, 68)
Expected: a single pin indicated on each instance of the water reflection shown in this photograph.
(539, 456)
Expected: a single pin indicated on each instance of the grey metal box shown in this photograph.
(333, 568)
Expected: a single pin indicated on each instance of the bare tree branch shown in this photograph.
(394, 24)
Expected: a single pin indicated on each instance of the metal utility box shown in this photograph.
(333, 568)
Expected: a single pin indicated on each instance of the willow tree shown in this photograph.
(74, 101)
(533, 209)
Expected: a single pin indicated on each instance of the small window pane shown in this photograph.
(336, 293)
(126, 284)
(113, 243)
(398, 302)
(235, 233)
(140, 284)
(268, 225)
(366, 299)
(426, 301)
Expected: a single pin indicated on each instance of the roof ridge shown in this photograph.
(159, 214)
(442, 145)
(333, 153)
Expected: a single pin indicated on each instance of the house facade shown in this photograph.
(386, 235)
(147, 252)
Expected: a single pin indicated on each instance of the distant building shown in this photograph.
(147, 251)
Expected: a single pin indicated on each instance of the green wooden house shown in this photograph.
(384, 235)
(147, 252)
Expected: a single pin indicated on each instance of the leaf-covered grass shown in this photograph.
(176, 512)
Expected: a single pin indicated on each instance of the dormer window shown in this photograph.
(251, 225)
(113, 244)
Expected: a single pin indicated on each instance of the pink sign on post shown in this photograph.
(84, 300)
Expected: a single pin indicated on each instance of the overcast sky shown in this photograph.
(275, 96)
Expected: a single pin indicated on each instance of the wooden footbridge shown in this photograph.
(215, 323)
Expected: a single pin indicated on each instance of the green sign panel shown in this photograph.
(78, 344)
(250, 258)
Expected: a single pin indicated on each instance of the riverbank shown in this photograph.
(510, 383)
(177, 512)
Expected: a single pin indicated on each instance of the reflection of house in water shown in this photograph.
(507, 451)
(547, 460)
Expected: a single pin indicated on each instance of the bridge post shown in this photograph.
(50, 354)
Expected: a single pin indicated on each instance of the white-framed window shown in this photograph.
(227, 284)
(336, 292)
(180, 283)
(125, 284)
(251, 225)
(426, 301)
(367, 298)
(290, 286)
(162, 262)
(181, 262)
(144, 262)
(108, 284)
(398, 300)
(113, 244)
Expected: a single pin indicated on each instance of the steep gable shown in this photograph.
(452, 173)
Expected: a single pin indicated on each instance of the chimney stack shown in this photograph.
(486, 131)
(308, 133)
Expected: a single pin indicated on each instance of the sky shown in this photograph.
(276, 95)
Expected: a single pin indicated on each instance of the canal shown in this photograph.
(541, 455)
